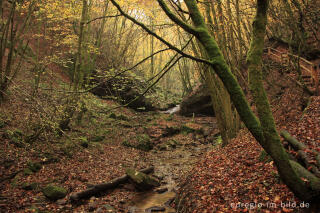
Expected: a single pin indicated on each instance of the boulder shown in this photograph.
(124, 88)
(198, 103)
(54, 192)
(142, 181)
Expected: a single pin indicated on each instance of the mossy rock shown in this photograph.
(122, 117)
(15, 137)
(107, 208)
(186, 130)
(27, 172)
(127, 143)
(30, 186)
(98, 138)
(113, 116)
(68, 148)
(18, 133)
(17, 142)
(142, 181)
(84, 142)
(34, 166)
(173, 143)
(2, 124)
(144, 142)
(54, 192)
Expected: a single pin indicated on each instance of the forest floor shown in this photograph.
(186, 156)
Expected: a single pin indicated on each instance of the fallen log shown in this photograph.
(293, 141)
(304, 157)
(96, 189)
(300, 148)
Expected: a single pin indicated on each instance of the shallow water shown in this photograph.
(145, 201)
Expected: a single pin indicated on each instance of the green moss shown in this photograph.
(34, 167)
(84, 142)
(54, 192)
(264, 157)
(2, 123)
(186, 129)
(141, 180)
(97, 138)
(27, 172)
(144, 142)
(30, 186)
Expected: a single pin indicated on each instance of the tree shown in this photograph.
(262, 127)
(13, 45)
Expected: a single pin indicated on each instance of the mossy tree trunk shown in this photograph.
(263, 129)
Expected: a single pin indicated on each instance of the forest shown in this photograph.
(160, 106)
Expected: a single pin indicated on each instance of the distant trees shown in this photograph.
(13, 43)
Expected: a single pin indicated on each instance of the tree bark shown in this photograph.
(99, 188)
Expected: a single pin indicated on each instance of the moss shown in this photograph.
(97, 138)
(30, 186)
(113, 115)
(84, 142)
(144, 142)
(54, 192)
(264, 157)
(27, 172)
(141, 180)
(2, 123)
(34, 166)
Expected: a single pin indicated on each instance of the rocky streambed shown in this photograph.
(173, 157)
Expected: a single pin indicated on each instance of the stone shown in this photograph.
(156, 209)
(34, 166)
(29, 186)
(106, 209)
(84, 142)
(54, 192)
(98, 138)
(142, 181)
(27, 172)
(197, 103)
(161, 190)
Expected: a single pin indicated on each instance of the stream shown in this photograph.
(171, 165)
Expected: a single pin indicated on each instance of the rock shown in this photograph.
(198, 102)
(161, 190)
(156, 209)
(62, 202)
(34, 166)
(27, 172)
(98, 138)
(163, 147)
(125, 87)
(2, 124)
(84, 142)
(54, 192)
(142, 181)
(106, 209)
(93, 206)
(29, 186)
(144, 142)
